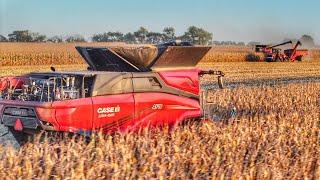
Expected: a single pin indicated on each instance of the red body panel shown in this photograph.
(46, 114)
(158, 109)
(187, 80)
(74, 115)
(300, 53)
(113, 112)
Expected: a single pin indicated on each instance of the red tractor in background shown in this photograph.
(275, 54)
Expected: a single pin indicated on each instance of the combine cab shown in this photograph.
(274, 54)
(124, 89)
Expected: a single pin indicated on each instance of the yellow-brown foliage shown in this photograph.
(315, 54)
(227, 54)
(16, 54)
(275, 135)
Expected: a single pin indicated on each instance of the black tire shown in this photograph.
(303, 58)
(299, 58)
(253, 57)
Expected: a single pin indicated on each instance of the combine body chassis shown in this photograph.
(125, 89)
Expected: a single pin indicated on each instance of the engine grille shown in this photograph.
(26, 115)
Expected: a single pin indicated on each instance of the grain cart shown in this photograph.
(125, 88)
(273, 53)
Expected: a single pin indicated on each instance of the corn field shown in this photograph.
(19, 54)
(24, 54)
(274, 134)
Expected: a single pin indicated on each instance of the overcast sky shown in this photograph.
(239, 20)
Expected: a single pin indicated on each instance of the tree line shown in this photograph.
(28, 36)
(193, 35)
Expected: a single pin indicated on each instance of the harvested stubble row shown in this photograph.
(240, 71)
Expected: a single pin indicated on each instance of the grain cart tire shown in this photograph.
(303, 58)
(299, 58)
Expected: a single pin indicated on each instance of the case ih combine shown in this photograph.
(124, 89)
(273, 54)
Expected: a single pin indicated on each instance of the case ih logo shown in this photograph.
(108, 111)
(16, 112)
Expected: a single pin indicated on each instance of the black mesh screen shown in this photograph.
(105, 60)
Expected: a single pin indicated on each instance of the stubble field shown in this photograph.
(275, 133)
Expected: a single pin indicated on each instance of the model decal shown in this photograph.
(157, 106)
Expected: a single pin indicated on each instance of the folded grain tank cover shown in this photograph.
(179, 57)
(158, 57)
(132, 58)
(140, 56)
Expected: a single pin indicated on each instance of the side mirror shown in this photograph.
(220, 75)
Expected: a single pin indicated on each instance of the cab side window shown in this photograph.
(123, 86)
(146, 84)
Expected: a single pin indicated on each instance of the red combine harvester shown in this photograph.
(274, 54)
(124, 89)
